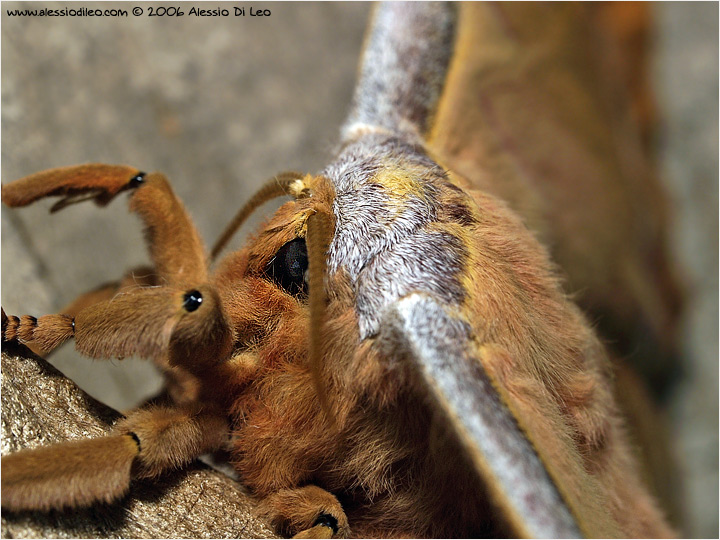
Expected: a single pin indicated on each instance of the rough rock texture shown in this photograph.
(197, 502)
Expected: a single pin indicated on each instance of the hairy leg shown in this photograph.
(82, 472)
(306, 512)
(176, 250)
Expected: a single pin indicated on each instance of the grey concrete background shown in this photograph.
(686, 82)
(220, 104)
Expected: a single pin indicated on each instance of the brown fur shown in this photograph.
(396, 469)
(390, 464)
(555, 375)
(46, 332)
(176, 250)
(76, 473)
(293, 511)
(558, 144)
(100, 182)
(142, 276)
(593, 199)
(171, 438)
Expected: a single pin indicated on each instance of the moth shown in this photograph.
(394, 353)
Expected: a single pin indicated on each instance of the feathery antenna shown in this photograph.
(277, 186)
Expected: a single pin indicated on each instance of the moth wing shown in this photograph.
(452, 369)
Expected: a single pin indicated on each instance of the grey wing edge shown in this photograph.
(421, 328)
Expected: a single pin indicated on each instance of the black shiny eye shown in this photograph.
(138, 179)
(288, 267)
(192, 300)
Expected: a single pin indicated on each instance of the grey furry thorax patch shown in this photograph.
(387, 195)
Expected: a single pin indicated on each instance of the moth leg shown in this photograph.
(137, 277)
(141, 276)
(80, 473)
(178, 384)
(306, 512)
(170, 438)
(177, 252)
(44, 333)
(72, 474)
(189, 328)
(175, 246)
(93, 181)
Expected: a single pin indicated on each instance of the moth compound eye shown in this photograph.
(138, 179)
(288, 267)
(192, 300)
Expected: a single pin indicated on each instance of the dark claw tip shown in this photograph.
(136, 439)
(192, 300)
(327, 521)
(138, 179)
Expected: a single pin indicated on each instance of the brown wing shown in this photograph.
(540, 109)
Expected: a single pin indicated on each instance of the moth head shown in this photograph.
(265, 286)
